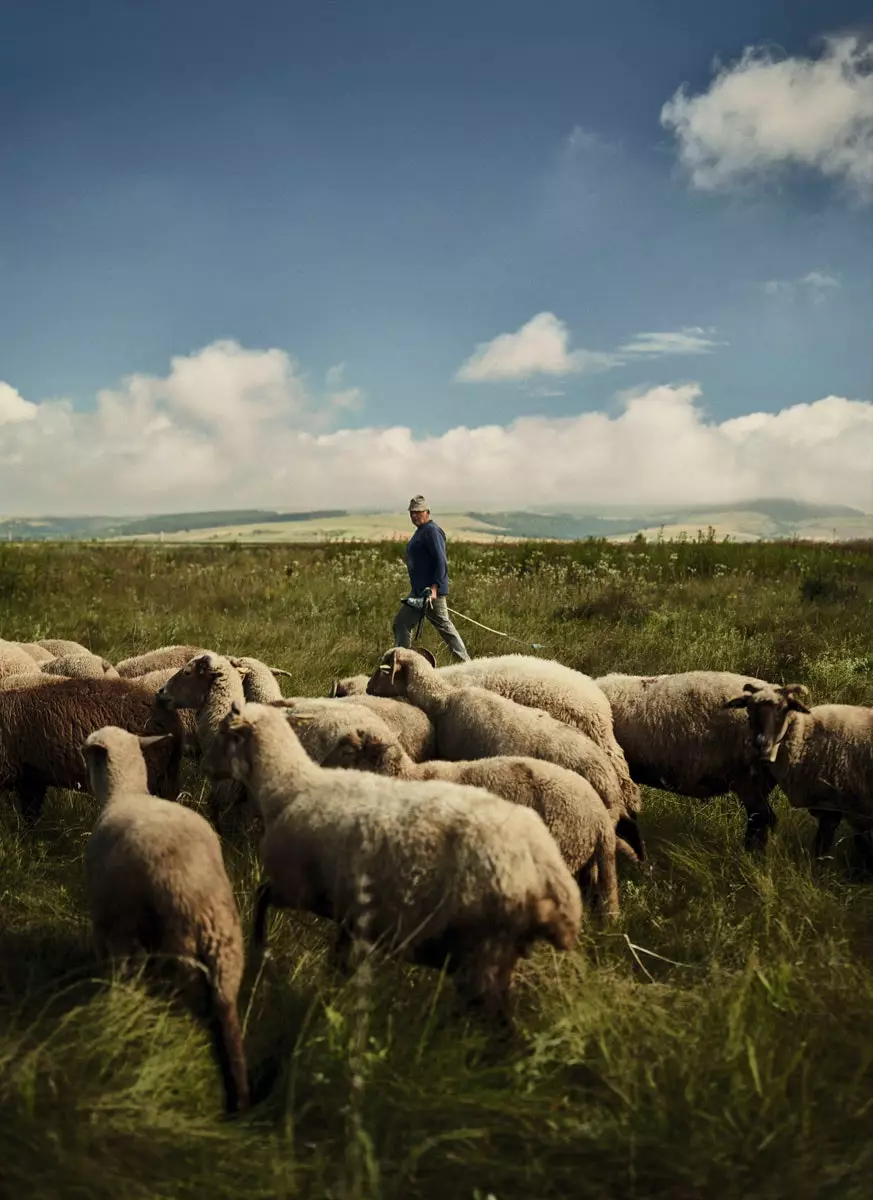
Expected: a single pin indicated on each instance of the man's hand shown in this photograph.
(433, 591)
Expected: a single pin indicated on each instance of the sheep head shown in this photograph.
(360, 750)
(115, 760)
(392, 676)
(769, 708)
(189, 687)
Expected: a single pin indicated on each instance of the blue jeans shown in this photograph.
(438, 615)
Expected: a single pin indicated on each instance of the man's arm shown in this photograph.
(439, 562)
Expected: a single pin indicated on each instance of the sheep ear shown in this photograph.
(737, 702)
(236, 709)
(425, 654)
(157, 739)
(334, 689)
(751, 688)
(95, 750)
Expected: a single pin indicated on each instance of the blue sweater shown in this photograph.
(426, 559)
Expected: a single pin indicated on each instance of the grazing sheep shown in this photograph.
(156, 884)
(562, 692)
(58, 646)
(572, 811)
(821, 757)
(353, 685)
(43, 729)
(259, 680)
(327, 720)
(154, 681)
(38, 653)
(80, 666)
(677, 735)
(15, 661)
(451, 871)
(208, 685)
(474, 722)
(154, 660)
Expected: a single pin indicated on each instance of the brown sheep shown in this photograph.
(42, 730)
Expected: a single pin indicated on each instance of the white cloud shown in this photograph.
(817, 285)
(351, 398)
(157, 445)
(764, 114)
(541, 347)
(691, 340)
(13, 406)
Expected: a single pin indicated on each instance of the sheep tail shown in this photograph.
(225, 1034)
(222, 1020)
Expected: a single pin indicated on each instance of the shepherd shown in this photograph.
(428, 570)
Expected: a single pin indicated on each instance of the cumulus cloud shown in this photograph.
(764, 114)
(541, 347)
(13, 406)
(157, 445)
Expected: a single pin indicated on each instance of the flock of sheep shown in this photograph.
(481, 804)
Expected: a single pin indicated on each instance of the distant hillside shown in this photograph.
(750, 520)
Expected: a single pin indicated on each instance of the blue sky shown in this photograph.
(388, 186)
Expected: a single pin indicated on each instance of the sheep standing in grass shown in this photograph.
(474, 722)
(572, 811)
(208, 684)
(565, 694)
(154, 660)
(80, 666)
(452, 871)
(154, 681)
(677, 735)
(821, 757)
(15, 661)
(157, 885)
(42, 729)
(327, 720)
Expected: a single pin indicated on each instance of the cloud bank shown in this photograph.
(763, 114)
(542, 347)
(229, 427)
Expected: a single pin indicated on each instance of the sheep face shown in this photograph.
(229, 756)
(354, 685)
(189, 687)
(769, 708)
(391, 677)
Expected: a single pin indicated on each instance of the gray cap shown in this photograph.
(418, 504)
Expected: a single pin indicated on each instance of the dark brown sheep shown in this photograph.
(42, 731)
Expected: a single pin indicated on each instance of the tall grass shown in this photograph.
(715, 1042)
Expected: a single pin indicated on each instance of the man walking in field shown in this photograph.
(428, 573)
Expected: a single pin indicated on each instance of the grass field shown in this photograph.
(718, 1042)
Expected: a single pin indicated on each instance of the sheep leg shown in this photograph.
(760, 817)
(828, 821)
(263, 900)
(31, 797)
(225, 1035)
(607, 881)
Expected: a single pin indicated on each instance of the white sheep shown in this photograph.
(821, 757)
(473, 722)
(677, 735)
(59, 646)
(573, 813)
(328, 719)
(259, 681)
(153, 660)
(38, 653)
(564, 693)
(15, 661)
(80, 666)
(156, 884)
(452, 872)
(208, 684)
